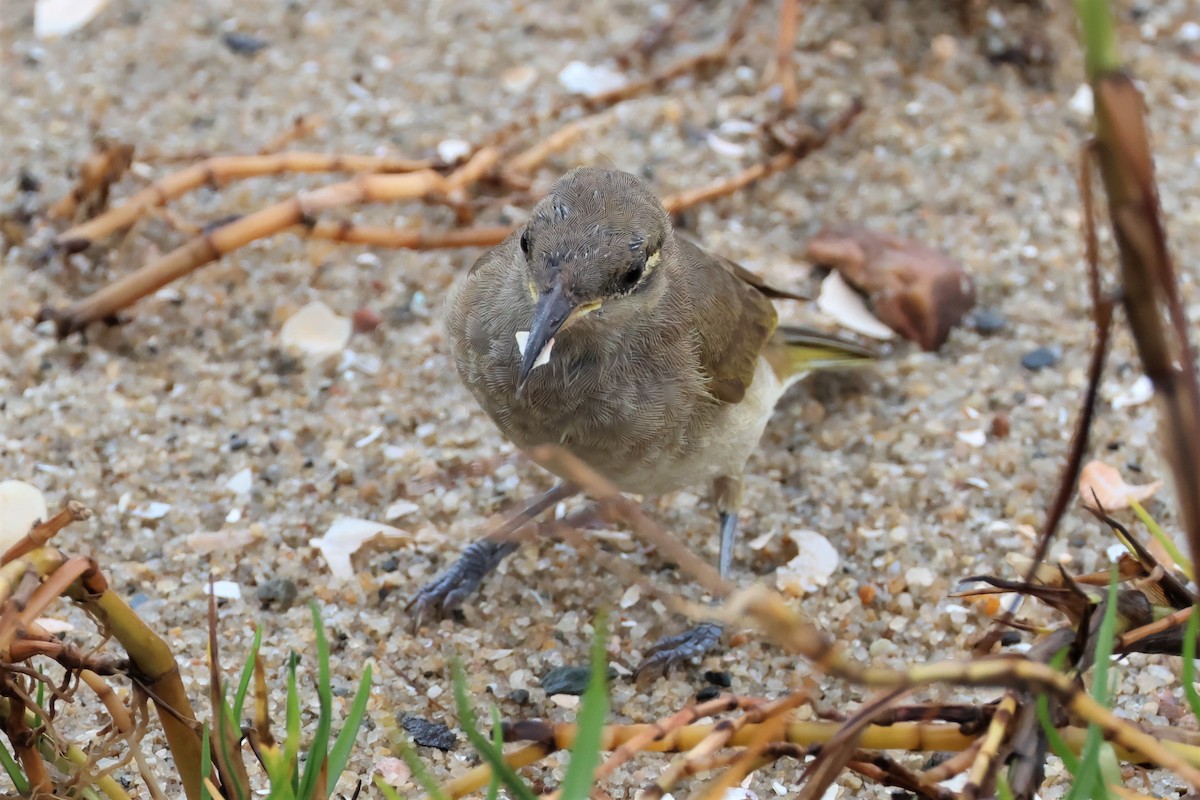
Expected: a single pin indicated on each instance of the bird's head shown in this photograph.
(591, 248)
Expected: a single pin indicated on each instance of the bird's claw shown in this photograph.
(447, 591)
(670, 651)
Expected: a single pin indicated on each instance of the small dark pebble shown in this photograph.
(707, 693)
(244, 44)
(518, 696)
(390, 564)
(1041, 358)
(1010, 638)
(429, 734)
(1133, 466)
(722, 679)
(277, 591)
(988, 321)
(569, 680)
(28, 182)
(236, 443)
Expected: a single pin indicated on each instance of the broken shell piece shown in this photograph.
(849, 309)
(1135, 394)
(812, 566)
(1101, 484)
(54, 18)
(21, 505)
(316, 331)
(917, 291)
(345, 537)
(543, 357)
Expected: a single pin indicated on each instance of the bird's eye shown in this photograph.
(525, 241)
(633, 276)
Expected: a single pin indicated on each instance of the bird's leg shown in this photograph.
(727, 497)
(448, 590)
(671, 650)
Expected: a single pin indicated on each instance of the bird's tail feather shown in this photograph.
(795, 351)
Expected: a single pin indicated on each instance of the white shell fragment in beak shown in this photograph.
(543, 357)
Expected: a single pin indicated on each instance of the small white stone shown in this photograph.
(580, 78)
(152, 510)
(724, 147)
(451, 151)
(564, 700)
(631, 596)
(227, 590)
(1081, 102)
(1135, 394)
(919, 576)
(316, 331)
(242, 482)
(434, 692)
(21, 505)
(518, 79)
(400, 509)
(1189, 31)
(974, 438)
(234, 516)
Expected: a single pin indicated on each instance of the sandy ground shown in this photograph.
(953, 150)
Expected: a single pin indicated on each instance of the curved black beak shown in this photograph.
(552, 311)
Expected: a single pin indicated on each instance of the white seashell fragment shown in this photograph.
(54, 18)
(316, 331)
(345, 537)
(812, 566)
(543, 357)
(848, 308)
(21, 505)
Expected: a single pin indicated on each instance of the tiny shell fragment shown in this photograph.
(54, 18)
(316, 331)
(812, 566)
(543, 357)
(344, 538)
(849, 309)
(1135, 394)
(21, 505)
(1101, 484)
(919, 292)
(590, 81)
(393, 771)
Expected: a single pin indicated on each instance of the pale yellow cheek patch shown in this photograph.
(543, 357)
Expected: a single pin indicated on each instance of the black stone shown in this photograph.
(277, 591)
(722, 679)
(707, 693)
(1041, 358)
(988, 321)
(567, 680)
(429, 734)
(244, 44)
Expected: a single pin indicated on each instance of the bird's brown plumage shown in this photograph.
(669, 382)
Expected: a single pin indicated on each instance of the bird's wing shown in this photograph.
(733, 317)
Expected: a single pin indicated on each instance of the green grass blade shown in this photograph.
(1003, 790)
(491, 755)
(585, 755)
(1189, 661)
(13, 770)
(1183, 562)
(339, 754)
(317, 753)
(1099, 38)
(493, 792)
(239, 699)
(205, 763)
(291, 744)
(407, 752)
(1086, 785)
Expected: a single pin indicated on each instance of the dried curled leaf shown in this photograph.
(919, 292)
(1102, 487)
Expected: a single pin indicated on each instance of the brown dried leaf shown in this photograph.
(919, 292)
(1102, 484)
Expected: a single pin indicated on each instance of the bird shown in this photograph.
(598, 328)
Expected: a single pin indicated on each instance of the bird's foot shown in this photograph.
(670, 651)
(447, 591)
